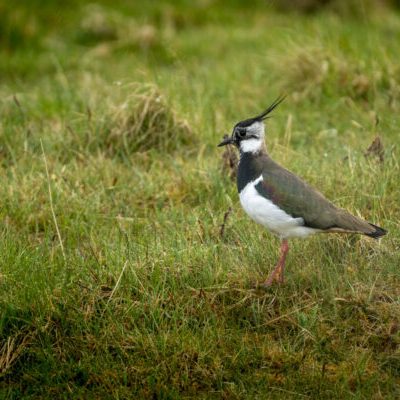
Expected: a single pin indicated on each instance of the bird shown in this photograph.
(281, 201)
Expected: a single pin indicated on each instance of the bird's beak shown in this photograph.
(227, 140)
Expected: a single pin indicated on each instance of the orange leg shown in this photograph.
(277, 274)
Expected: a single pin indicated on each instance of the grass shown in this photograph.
(115, 280)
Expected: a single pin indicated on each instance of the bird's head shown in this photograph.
(248, 135)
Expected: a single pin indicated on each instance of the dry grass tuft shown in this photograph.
(313, 71)
(145, 121)
(12, 348)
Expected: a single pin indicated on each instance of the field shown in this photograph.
(127, 266)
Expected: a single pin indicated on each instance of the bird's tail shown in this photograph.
(350, 223)
(377, 233)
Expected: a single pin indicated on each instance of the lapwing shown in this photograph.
(279, 200)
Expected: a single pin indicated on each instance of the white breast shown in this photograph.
(269, 215)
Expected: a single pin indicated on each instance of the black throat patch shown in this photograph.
(249, 169)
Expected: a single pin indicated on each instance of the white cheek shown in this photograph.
(257, 128)
(251, 145)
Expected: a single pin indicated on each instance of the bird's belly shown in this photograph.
(266, 213)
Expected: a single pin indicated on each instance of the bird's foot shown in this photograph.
(275, 276)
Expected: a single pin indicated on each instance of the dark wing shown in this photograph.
(297, 198)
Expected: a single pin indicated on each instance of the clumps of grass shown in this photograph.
(311, 72)
(13, 348)
(109, 31)
(117, 120)
(146, 121)
(315, 71)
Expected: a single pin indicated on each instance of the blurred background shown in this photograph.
(210, 50)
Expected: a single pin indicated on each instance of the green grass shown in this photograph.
(137, 295)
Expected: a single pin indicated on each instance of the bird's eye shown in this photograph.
(241, 132)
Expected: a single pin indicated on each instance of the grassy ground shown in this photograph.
(115, 280)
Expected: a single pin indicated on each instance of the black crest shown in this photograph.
(263, 115)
